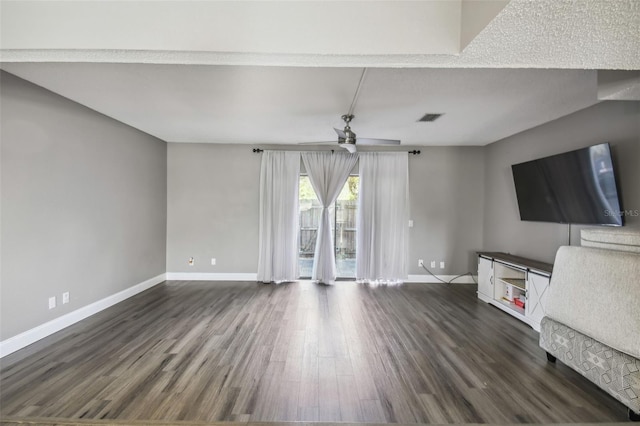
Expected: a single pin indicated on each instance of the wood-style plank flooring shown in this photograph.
(417, 353)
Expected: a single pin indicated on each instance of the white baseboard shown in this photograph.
(210, 276)
(28, 337)
(429, 279)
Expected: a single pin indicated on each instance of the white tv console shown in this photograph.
(508, 282)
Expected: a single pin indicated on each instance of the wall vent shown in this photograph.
(430, 117)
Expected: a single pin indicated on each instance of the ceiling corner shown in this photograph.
(615, 85)
(475, 15)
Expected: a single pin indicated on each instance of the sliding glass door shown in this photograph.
(343, 225)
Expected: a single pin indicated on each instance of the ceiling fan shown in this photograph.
(346, 137)
(348, 140)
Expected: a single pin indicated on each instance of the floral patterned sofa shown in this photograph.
(592, 322)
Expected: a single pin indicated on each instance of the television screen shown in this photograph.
(573, 187)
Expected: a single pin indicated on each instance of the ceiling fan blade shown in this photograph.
(368, 141)
(340, 133)
(349, 147)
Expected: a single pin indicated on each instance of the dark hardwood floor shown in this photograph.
(418, 353)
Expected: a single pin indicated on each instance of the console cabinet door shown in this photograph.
(537, 293)
(485, 277)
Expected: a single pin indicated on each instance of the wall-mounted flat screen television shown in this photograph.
(574, 187)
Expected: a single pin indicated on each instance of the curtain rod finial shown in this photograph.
(258, 150)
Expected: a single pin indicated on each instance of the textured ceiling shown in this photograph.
(589, 34)
(257, 76)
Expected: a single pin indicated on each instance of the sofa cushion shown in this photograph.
(597, 292)
(622, 239)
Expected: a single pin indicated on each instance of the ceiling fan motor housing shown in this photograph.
(350, 137)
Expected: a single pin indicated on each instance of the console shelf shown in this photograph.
(515, 285)
(516, 282)
(511, 306)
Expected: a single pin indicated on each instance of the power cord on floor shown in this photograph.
(452, 279)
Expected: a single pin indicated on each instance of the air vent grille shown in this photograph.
(430, 117)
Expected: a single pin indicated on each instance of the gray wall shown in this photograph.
(615, 122)
(213, 195)
(213, 207)
(83, 205)
(446, 187)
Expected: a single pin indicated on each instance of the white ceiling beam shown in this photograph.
(245, 27)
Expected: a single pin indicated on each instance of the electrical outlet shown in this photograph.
(433, 263)
(420, 263)
(65, 297)
(191, 261)
(442, 264)
(213, 261)
(410, 223)
(52, 302)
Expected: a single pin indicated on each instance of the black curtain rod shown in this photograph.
(414, 152)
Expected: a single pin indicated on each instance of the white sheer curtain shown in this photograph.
(279, 216)
(383, 217)
(327, 172)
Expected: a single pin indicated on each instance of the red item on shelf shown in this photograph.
(519, 303)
